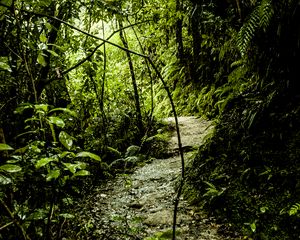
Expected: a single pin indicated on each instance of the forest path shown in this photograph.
(140, 205)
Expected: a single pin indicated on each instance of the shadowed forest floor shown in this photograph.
(140, 205)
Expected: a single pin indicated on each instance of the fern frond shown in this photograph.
(294, 209)
(259, 18)
(266, 12)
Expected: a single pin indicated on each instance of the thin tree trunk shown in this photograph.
(134, 83)
(195, 20)
(180, 52)
(150, 77)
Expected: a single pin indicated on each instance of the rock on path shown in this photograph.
(140, 206)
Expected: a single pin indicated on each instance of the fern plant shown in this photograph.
(260, 18)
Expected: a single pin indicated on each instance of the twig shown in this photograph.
(6, 225)
(61, 228)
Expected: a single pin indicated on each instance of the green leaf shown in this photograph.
(82, 173)
(42, 107)
(57, 121)
(31, 119)
(66, 153)
(5, 180)
(43, 162)
(253, 227)
(22, 150)
(53, 174)
(89, 155)
(65, 110)
(12, 161)
(41, 60)
(11, 168)
(67, 215)
(263, 209)
(48, 26)
(5, 147)
(5, 66)
(43, 37)
(68, 201)
(22, 107)
(73, 167)
(38, 214)
(66, 140)
(59, 47)
(53, 53)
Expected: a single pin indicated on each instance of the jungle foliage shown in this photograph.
(78, 92)
(248, 171)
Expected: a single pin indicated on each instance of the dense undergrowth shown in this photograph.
(42, 181)
(76, 110)
(247, 173)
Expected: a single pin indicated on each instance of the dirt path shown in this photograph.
(140, 205)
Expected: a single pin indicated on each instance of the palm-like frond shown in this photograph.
(259, 18)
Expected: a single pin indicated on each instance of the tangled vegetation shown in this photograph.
(83, 82)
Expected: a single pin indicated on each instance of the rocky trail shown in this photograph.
(140, 205)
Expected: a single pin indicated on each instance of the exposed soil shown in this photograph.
(140, 205)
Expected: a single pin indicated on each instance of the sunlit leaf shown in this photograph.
(44, 161)
(5, 147)
(67, 215)
(31, 119)
(12, 161)
(89, 155)
(294, 209)
(20, 109)
(263, 209)
(53, 174)
(5, 66)
(66, 153)
(82, 165)
(71, 167)
(57, 121)
(253, 227)
(43, 107)
(11, 168)
(5, 180)
(48, 26)
(41, 60)
(66, 140)
(65, 110)
(53, 53)
(43, 37)
(82, 173)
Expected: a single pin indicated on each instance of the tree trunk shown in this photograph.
(134, 84)
(195, 22)
(56, 91)
(180, 52)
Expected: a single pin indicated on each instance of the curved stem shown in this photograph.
(176, 202)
